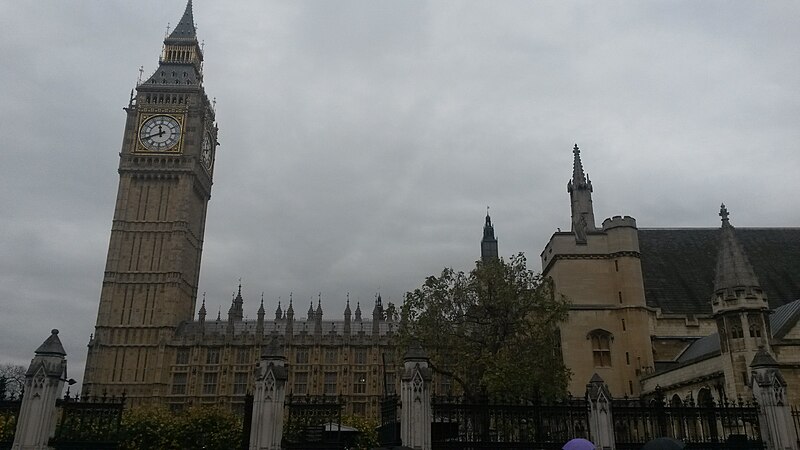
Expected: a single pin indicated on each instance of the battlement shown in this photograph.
(619, 221)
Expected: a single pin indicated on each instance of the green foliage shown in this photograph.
(493, 329)
(368, 431)
(155, 427)
(8, 426)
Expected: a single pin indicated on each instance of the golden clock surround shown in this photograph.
(180, 118)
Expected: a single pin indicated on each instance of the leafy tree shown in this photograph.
(368, 431)
(493, 330)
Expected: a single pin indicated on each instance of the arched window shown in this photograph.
(601, 347)
(754, 323)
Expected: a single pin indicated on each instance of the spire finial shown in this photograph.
(262, 299)
(578, 176)
(185, 28)
(723, 213)
(204, 298)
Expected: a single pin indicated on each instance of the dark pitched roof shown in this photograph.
(678, 265)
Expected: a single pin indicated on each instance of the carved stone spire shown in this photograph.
(347, 315)
(358, 311)
(236, 313)
(318, 316)
(278, 312)
(377, 315)
(201, 315)
(260, 321)
(733, 267)
(580, 194)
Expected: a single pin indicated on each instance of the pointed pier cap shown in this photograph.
(415, 352)
(763, 359)
(51, 346)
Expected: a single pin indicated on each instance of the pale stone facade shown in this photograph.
(651, 307)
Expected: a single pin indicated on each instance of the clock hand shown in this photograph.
(160, 133)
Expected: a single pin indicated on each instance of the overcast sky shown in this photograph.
(361, 141)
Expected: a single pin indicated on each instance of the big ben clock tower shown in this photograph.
(165, 175)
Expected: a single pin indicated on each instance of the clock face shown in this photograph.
(160, 133)
(206, 152)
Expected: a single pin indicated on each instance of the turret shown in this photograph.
(738, 304)
(580, 195)
(201, 315)
(260, 321)
(318, 316)
(347, 315)
(489, 242)
(377, 315)
(236, 312)
(278, 312)
(289, 320)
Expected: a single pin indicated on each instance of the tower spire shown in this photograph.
(185, 30)
(580, 194)
(489, 242)
(733, 267)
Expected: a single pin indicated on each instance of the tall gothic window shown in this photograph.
(209, 383)
(301, 383)
(240, 383)
(330, 383)
(601, 347)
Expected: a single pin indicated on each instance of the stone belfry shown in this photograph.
(740, 308)
(153, 265)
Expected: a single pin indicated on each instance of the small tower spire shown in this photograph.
(318, 315)
(489, 242)
(201, 315)
(236, 313)
(278, 312)
(580, 194)
(733, 267)
(260, 320)
(347, 316)
(358, 311)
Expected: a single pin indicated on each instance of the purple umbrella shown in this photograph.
(579, 444)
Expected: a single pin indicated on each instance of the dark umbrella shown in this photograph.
(664, 443)
(579, 444)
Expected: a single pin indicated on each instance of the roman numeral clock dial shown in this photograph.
(160, 133)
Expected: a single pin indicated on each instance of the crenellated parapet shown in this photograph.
(619, 222)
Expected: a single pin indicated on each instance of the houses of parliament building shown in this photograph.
(646, 305)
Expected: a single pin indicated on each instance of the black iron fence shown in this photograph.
(463, 423)
(714, 425)
(313, 422)
(89, 423)
(389, 430)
